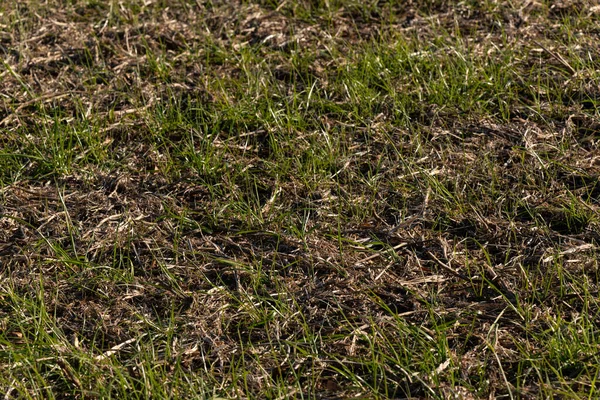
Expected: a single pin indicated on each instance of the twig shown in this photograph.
(115, 349)
(381, 253)
(558, 57)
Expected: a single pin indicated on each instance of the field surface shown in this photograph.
(321, 199)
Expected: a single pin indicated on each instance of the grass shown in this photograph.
(262, 199)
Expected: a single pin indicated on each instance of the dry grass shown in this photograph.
(299, 199)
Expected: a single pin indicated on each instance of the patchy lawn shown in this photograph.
(299, 199)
